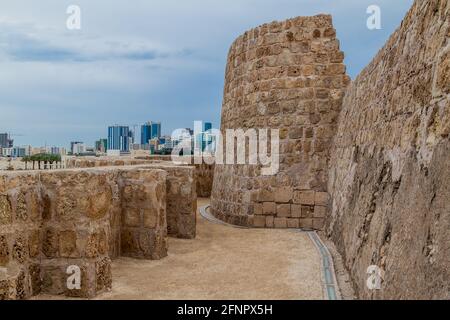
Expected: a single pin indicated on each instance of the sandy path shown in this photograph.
(224, 263)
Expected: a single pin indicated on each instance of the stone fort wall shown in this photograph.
(180, 188)
(52, 220)
(288, 76)
(390, 167)
(204, 173)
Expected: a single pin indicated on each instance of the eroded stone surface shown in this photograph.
(389, 177)
(289, 76)
(54, 220)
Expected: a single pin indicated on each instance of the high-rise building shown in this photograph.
(204, 139)
(156, 130)
(55, 150)
(19, 152)
(77, 147)
(101, 145)
(119, 138)
(146, 133)
(207, 126)
(5, 141)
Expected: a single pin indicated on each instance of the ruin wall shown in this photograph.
(390, 167)
(180, 189)
(289, 76)
(55, 219)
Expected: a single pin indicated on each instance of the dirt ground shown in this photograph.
(223, 263)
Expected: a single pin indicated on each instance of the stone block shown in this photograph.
(86, 284)
(270, 222)
(318, 223)
(320, 212)
(20, 249)
(68, 244)
(35, 278)
(7, 289)
(129, 242)
(266, 196)
(321, 198)
(132, 217)
(306, 223)
(4, 251)
(150, 218)
(103, 275)
(280, 223)
(293, 223)
(307, 211)
(283, 194)
(296, 211)
(54, 280)
(304, 197)
(258, 209)
(269, 208)
(50, 244)
(92, 245)
(259, 221)
(284, 210)
(5, 210)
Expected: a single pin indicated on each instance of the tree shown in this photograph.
(26, 159)
(43, 157)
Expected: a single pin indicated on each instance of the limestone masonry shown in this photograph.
(50, 221)
(373, 166)
(367, 163)
(289, 76)
(180, 189)
(390, 169)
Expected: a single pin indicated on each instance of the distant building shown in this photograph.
(119, 138)
(154, 145)
(5, 141)
(7, 152)
(207, 126)
(205, 140)
(150, 130)
(55, 150)
(156, 130)
(77, 147)
(101, 145)
(146, 133)
(19, 152)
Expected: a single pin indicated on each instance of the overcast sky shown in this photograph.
(140, 60)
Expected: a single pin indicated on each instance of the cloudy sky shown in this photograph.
(140, 60)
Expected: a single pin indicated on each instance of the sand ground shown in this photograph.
(223, 263)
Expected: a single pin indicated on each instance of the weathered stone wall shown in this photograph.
(204, 173)
(144, 221)
(288, 76)
(52, 220)
(390, 168)
(180, 189)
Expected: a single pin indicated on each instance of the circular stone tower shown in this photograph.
(288, 76)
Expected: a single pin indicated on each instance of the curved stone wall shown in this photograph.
(288, 76)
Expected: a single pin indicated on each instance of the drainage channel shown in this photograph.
(328, 276)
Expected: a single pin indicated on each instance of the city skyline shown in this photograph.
(7, 142)
(75, 82)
